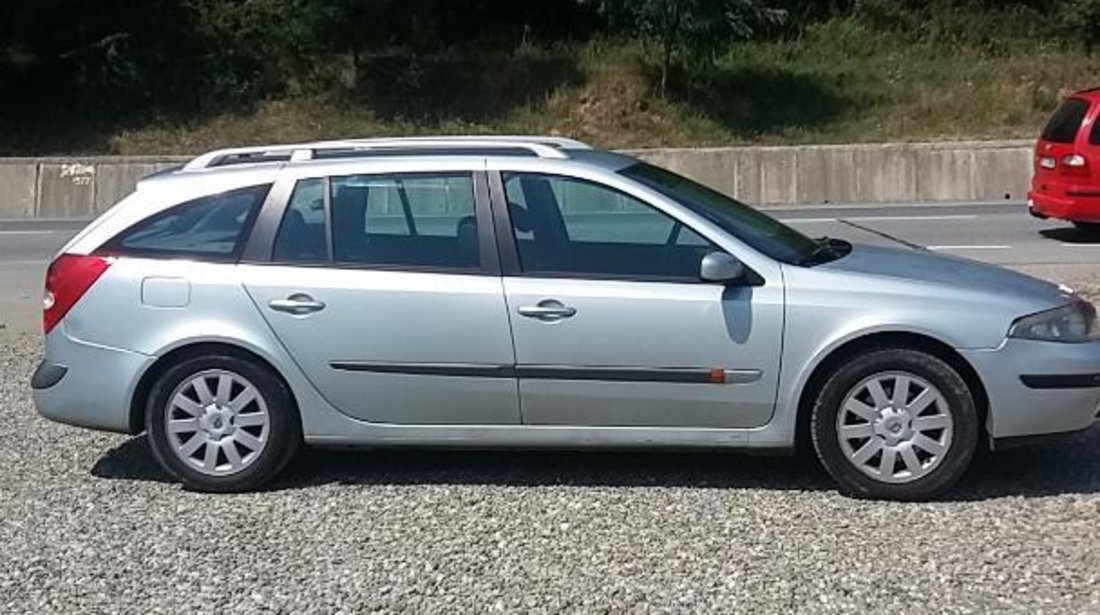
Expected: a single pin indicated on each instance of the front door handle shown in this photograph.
(298, 304)
(548, 310)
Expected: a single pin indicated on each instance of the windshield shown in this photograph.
(760, 231)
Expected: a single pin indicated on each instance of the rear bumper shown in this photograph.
(1078, 206)
(87, 385)
(1038, 388)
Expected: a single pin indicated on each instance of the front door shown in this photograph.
(612, 324)
(381, 290)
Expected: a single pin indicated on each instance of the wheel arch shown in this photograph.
(879, 340)
(194, 349)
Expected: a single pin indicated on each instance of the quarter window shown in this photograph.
(213, 226)
(571, 226)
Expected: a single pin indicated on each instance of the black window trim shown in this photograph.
(114, 245)
(260, 250)
(509, 252)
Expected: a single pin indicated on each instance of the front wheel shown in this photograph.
(222, 423)
(895, 424)
(1092, 228)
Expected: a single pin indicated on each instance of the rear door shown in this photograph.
(384, 286)
(612, 324)
(1062, 160)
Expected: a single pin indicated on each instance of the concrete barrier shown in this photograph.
(794, 175)
(862, 173)
(18, 189)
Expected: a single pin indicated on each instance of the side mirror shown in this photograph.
(720, 267)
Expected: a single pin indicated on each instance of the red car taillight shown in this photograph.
(67, 279)
(1075, 164)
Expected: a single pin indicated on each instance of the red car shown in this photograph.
(1066, 184)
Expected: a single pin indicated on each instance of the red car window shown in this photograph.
(1063, 125)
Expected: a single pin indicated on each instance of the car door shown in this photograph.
(612, 325)
(385, 288)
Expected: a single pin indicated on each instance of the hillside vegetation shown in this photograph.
(808, 72)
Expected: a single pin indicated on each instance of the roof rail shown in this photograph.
(543, 147)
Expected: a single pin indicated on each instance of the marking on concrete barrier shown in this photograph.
(81, 174)
(968, 247)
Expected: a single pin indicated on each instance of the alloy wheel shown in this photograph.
(895, 427)
(217, 422)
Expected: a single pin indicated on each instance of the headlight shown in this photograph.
(1073, 323)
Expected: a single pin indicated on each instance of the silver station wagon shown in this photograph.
(535, 292)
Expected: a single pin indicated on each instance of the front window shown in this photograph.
(572, 227)
(760, 231)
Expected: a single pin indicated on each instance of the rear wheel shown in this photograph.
(895, 424)
(1092, 228)
(222, 423)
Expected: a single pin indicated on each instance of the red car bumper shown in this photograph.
(1078, 207)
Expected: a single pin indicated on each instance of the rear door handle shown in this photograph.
(298, 304)
(548, 309)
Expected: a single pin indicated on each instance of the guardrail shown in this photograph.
(81, 187)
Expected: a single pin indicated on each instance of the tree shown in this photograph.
(1082, 18)
(695, 28)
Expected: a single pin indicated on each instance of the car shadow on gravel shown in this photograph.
(1067, 466)
(131, 460)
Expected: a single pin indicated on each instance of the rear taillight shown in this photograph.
(67, 279)
(1075, 164)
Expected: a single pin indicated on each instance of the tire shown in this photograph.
(259, 423)
(931, 439)
(1092, 228)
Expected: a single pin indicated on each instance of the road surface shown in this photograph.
(999, 233)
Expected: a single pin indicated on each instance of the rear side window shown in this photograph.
(211, 226)
(424, 220)
(419, 220)
(1063, 125)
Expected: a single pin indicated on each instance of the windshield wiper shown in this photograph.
(827, 249)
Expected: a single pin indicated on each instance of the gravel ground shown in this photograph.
(89, 524)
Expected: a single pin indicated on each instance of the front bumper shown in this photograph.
(85, 384)
(1039, 388)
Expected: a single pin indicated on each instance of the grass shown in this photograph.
(839, 82)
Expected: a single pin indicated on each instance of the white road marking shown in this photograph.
(968, 247)
(53, 232)
(1079, 245)
(26, 263)
(909, 204)
(877, 219)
